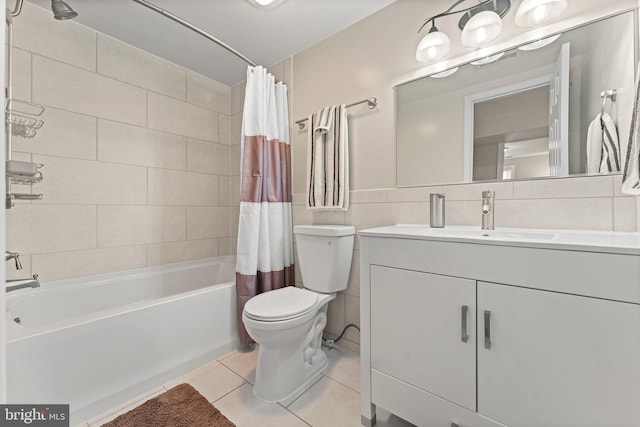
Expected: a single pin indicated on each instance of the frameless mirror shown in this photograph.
(522, 113)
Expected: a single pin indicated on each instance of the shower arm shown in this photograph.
(17, 9)
(196, 29)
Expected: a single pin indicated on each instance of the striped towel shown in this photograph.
(631, 176)
(328, 159)
(603, 147)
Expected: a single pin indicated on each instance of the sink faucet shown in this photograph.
(22, 283)
(15, 256)
(487, 210)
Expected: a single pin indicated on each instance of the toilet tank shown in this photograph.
(324, 256)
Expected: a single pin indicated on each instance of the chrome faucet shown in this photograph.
(487, 210)
(15, 256)
(22, 283)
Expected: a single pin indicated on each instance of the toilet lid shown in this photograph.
(281, 304)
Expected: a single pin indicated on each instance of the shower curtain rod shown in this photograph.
(196, 29)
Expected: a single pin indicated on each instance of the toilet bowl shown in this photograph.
(287, 323)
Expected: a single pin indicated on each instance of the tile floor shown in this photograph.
(333, 401)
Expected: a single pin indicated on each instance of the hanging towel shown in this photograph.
(328, 159)
(594, 146)
(631, 176)
(603, 147)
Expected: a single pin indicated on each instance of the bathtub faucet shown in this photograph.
(14, 285)
(15, 256)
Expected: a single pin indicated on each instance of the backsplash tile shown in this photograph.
(571, 214)
(473, 191)
(594, 186)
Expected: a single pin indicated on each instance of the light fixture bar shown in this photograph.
(498, 7)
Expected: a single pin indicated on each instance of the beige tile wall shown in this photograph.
(136, 153)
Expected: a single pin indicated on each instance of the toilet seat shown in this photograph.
(281, 304)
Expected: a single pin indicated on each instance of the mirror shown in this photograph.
(525, 114)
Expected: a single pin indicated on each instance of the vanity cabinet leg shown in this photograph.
(369, 421)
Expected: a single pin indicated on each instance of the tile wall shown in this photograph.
(136, 153)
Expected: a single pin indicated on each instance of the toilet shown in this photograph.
(287, 323)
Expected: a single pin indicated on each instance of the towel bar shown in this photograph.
(371, 103)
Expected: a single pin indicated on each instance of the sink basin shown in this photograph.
(578, 240)
(499, 234)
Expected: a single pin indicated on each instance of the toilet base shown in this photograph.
(287, 367)
(313, 374)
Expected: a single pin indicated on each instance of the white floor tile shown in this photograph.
(328, 404)
(344, 367)
(124, 408)
(246, 410)
(212, 380)
(242, 363)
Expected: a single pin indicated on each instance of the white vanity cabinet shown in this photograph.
(473, 333)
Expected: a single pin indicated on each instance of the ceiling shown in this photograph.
(266, 35)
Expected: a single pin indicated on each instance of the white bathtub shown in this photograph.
(98, 341)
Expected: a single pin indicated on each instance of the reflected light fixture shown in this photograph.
(445, 73)
(537, 12)
(265, 3)
(540, 43)
(481, 24)
(488, 59)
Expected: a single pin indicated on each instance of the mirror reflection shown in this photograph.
(532, 111)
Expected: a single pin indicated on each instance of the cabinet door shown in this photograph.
(418, 332)
(557, 359)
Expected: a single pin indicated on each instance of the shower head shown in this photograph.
(62, 11)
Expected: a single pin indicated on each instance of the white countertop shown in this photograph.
(574, 240)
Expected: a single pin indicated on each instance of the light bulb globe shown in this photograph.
(433, 47)
(482, 29)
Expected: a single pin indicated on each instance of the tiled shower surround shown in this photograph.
(136, 153)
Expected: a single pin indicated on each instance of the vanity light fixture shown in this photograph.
(537, 12)
(481, 24)
(540, 43)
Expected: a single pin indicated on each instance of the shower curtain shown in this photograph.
(265, 246)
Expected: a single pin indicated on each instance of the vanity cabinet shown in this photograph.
(451, 336)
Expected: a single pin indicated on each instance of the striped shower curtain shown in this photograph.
(265, 246)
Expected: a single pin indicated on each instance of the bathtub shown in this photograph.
(98, 341)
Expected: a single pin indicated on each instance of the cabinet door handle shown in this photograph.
(464, 336)
(487, 329)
